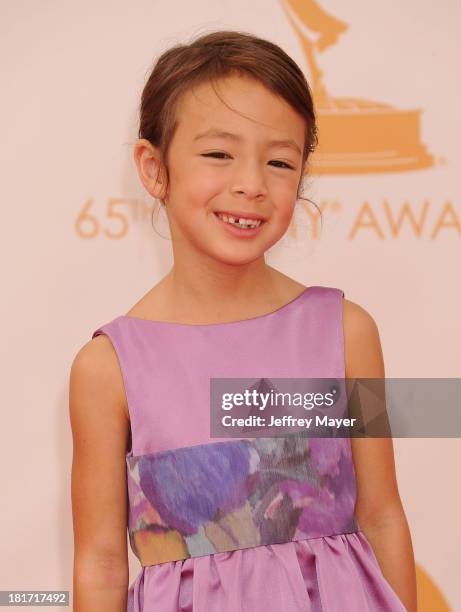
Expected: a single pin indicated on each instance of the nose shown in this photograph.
(249, 180)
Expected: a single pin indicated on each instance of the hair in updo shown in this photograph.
(212, 57)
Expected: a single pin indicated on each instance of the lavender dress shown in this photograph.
(241, 525)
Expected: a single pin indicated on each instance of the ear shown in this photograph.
(149, 167)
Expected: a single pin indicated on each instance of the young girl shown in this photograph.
(260, 524)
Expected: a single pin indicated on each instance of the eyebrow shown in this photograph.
(215, 133)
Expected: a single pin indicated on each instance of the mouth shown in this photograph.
(240, 225)
(243, 221)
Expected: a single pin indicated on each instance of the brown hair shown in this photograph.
(209, 58)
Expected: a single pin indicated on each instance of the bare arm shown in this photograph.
(379, 509)
(100, 428)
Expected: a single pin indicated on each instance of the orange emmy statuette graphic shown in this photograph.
(430, 599)
(355, 136)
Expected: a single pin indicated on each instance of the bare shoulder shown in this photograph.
(100, 432)
(96, 379)
(362, 344)
(378, 498)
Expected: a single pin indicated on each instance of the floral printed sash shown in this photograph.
(224, 496)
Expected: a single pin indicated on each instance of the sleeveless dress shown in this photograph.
(240, 525)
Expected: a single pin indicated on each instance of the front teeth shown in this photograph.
(241, 222)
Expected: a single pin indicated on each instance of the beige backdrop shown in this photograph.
(79, 249)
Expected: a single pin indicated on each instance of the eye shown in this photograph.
(219, 154)
(285, 165)
(214, 154)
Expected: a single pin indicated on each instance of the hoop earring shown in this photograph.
(156, 210)
(302, 223)
(320, 212)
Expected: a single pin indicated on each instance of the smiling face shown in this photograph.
(221, 161)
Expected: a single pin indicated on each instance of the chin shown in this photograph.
(233, 259)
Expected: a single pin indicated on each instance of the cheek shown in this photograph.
(285, 201)
(200, 188)
(286, 216)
